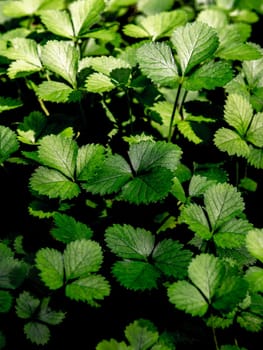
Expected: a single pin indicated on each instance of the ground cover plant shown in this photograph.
(131, 150)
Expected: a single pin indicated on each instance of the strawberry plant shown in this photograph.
(131, 151)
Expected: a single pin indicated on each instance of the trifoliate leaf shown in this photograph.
(59, 152)
(187, 298)
(222, 202)
(195, 42)
(140, 337)
(90, 158)
(254, 277)
(61, 57)
(6, 300)
(50, 263)
(26, 305)
(53, 184)
(194, 216)
(58, 22)
(156, 26)
(98, 82)
(136, 275)
(81, 257)
(67, 229)
(54, 91)
(85, 13)
(209, 76)
(8, 143)
(238, 113)
(49, 316)
(254, 243)
(8, 103)
(89, 289)
(128, 242)
(206, 272)
(156, 61)
(231, 142)
(255, 131)
(171, 259)
(37, 333)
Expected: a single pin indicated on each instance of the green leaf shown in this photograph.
(20, 69)
(81, 257)
(231, 142)
(24, 49)
(150, 7)
(90, 158)
(186, 129)
(209, 76)
(198, 185)
(31, 128)
(255, 132)
(103, 64)
(250, 322)
(136, 275)
(61, 57)
(156, 26)
(238, 51)
(255, 157)
(6, 300)
(140, 337)
(50, 263)
(67, 229)
(206, 272)
(47, 315)
(111, 345)
(128, 242)
(37, 333)
(214, 17)
(54, 91)
(194, 216)
(98, 83)
(59, 152)
(8, 103)
(156, 61)
(222, 202)
(254, 277)
(238, 113)
(24, 8)
(84, 14)
(187, 298)
(89, 289)
(26, 305)
(254, 243)
(53, 184)
(8, 143)
(170, 257)
(58, 22)
(195, 42)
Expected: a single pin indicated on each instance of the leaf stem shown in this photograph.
(215, 338)
(173, 113)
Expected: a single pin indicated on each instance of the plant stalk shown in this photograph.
(173, 113)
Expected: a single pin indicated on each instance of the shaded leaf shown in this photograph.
(37, 333)
(8, 143)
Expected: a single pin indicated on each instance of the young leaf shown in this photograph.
(81, 257)
(223, 202)
(89, 289)
(171, 259)
(195, 42)
(8, 143)
(136, 275)
(140, 337)
(128, 242)
(53, 184)
(67, 229)
(61, 57)
(60, 153)
(84, 14)
(50, 263)
(26, 305)
(187, 298)
(157, 62)
(206, 272)
(37, 333)
(58, 22)
(156, 26)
